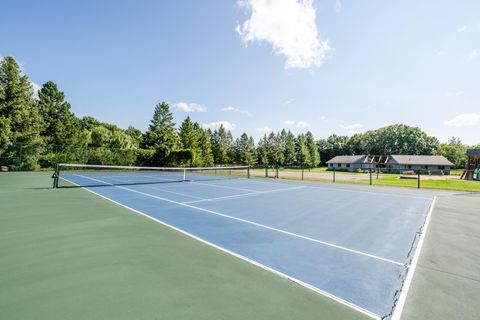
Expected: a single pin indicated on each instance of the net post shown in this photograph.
(418, 180)
(248, 172)
(333, 174)
(55, 176)
(184, 174)
(302, 172)
(266, 171)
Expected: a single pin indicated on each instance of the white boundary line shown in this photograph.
(281, 274)
(397, 313)
(252, 223)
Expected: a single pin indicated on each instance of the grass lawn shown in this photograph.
(394, 180)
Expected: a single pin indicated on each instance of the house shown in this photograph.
(418, 163)
(391, 163)
(349, 163)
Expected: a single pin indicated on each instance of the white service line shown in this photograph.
(244, 195)
(253, 262)
(160, 189)
(408, 280)
(253, 223)
(172, 192)
(222, 187)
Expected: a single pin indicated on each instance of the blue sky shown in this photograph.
(327, 66)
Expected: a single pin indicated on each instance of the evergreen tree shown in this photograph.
(205, 147)
(19, 113)
(188, 134)
(302, 152)
(222, 146)
(161, 134)
(60, 125)
(251, 146)
(312, 149)
(289, 152)
(246, 149)
(262, 151)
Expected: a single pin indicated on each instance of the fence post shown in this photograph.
(370, 171)
(248, 172)
(418, 180)
(302, 172)
(333, 174)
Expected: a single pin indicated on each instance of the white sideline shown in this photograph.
(281, 274)
(250, 222)
(244, 195)
(408, 280)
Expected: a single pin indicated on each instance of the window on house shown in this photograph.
(348, 165)
(441, 167)
(426, 167)
(339, 165)
(409, 166)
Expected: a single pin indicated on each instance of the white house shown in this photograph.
(349, 163)
(391, 163)
(420, 163)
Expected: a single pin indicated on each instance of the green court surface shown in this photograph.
(69, 254)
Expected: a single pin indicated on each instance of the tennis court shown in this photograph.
(358, 247)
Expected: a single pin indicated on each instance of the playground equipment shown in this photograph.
(472, 163)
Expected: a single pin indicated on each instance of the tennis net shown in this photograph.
(84, 175)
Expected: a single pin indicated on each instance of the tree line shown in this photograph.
(38, 130)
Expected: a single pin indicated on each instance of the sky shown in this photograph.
(328, 66)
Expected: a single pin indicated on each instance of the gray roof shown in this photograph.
(473, 152)
(348, 159)
(419, 160)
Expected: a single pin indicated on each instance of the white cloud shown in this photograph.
(323, 118)
(289, 26)
(455, 93)
(190, 107)
(236, 110)
(302, 124)
(464, 120)
(338, 6)
(287, 102)
(473, 54)
(36, 88)
(299, 124)
(264, 130)
(352, 128)
(462, 29)
(216, 125)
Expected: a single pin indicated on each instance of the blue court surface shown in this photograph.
(353, 245)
